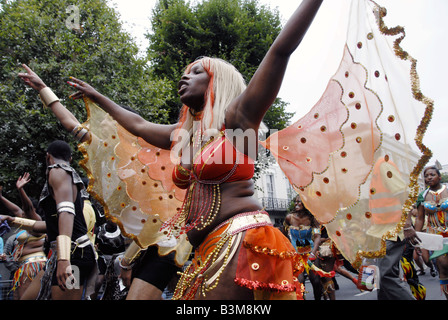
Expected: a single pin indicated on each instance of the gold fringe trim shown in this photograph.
(83, 163)
(381, 12)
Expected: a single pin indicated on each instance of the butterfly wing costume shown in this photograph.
(355, 158)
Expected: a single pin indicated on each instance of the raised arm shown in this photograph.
(27, 204)
(12, 207)
(65, 117)
(249, 109)
(156, 134)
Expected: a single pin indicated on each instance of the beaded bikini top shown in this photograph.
(217, 162)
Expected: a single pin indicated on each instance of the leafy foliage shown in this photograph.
(238, 31)
(42, 35)
(98, 51)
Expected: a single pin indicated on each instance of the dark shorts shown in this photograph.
(155, 269)
(84, 260)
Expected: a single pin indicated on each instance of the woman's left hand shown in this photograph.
(23, 180)
(84, 89)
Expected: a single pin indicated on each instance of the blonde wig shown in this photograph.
(226, 84)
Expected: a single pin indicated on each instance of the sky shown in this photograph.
(311, 66)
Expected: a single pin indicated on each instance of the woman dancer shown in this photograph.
(232, 235)
(28, 250)
(304, 232)
(435, 206)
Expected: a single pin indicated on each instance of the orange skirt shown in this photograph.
(267, 261)
(269, 265)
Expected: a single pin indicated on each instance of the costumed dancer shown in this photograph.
(62, 202)
(304, 233)
(238, 253)
(330, 259)
(71, 260)
(28, 246)
(435, 207)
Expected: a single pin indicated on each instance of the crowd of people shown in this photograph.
(25, 253)
(64, 248)
(27, 250)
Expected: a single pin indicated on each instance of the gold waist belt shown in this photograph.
(33, 257)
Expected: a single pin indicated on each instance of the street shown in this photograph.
(348, 291)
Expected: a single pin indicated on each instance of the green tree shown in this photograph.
(239, 31)
(444, 178)
(45, 35)
(278, 118)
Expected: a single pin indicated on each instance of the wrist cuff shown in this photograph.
(64, 245)
(47, 96)
(23, 223)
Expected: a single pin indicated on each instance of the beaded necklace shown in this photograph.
(436, 194)
(202, 201)
(437, 220)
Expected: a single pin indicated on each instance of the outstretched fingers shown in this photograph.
(31, 78)
(84, 89)
(78, 84)
(28, 69)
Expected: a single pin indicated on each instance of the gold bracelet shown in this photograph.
(47, 96)
(27, 224)
(64, 246)
(132, 253)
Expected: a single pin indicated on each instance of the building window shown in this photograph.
(270, 186)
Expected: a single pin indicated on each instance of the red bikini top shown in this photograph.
(218, 162)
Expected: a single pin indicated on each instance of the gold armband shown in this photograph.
(47, 96)
(23, 223)
(132, 253)
(64, 246)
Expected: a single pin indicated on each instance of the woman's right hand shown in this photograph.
(32, 79)
(23, 180)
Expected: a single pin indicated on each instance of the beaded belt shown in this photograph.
(245, 221)
(217, 250)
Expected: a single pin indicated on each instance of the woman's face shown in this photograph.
(432, 179)
(193, 86)
(298, 205)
